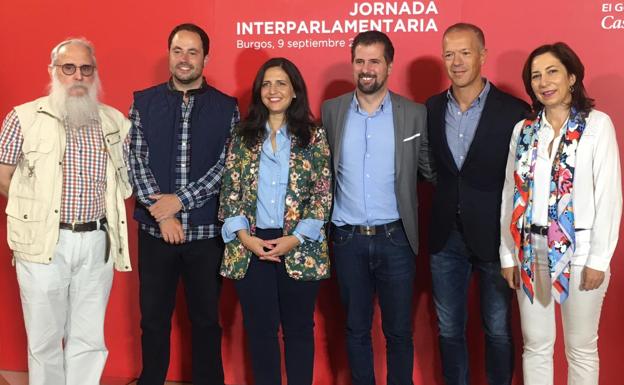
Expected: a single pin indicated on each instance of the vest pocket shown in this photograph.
(33, 152)
(26, 222)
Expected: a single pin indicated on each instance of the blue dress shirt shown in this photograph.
(461, 126)
(272, 184)
(365, 178)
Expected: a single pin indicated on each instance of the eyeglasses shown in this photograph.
(70, 69)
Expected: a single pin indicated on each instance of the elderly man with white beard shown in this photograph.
(63, 169)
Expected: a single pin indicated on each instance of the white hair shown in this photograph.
(78, 111)
(74, 40)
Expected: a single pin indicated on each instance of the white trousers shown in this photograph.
(580, 314)
(64, 304)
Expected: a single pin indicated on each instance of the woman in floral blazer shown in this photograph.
(275, 202)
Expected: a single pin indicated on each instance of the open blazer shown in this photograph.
(411, 156)
(308, 195)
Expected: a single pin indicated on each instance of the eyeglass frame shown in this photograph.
(72, 67)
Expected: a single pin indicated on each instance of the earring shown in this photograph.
(571, 89)
(295, 97)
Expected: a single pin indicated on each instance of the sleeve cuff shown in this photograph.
(507, 260)
(231, 226)
(310, 229)
(299, 237)
(186, 198)
(597, 263)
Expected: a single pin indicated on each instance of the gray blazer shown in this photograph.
(411, 151)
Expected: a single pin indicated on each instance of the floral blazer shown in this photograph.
(308, 195)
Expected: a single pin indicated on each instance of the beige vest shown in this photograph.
(34, 204)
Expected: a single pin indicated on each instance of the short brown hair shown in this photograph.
(467, 27)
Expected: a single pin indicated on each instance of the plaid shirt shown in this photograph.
(192, 194)
(84, 168)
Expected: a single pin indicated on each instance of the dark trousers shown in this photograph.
(383, 264)
(451, 270)
(268, 297)
(160, 267)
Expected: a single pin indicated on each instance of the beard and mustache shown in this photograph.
(373, 87)
(77, 111)
(193, 75)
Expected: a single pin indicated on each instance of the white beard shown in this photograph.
(77, 111)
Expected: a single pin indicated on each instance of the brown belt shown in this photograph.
(82, 227)
(371, 230)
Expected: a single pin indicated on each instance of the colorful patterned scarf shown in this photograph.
(561, 236)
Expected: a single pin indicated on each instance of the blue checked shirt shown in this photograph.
(192, 194)
(462, 126)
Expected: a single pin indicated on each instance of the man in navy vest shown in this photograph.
(177, 154)
(470, 126)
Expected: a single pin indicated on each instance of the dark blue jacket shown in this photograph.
(475, 189)
(160, 113)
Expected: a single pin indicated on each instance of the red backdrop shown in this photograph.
(130, 38)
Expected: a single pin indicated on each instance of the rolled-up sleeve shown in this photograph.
(232, 225)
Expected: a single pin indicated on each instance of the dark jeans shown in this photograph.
(160, 267)
(384, 264)
(268, 297)
(451, 270)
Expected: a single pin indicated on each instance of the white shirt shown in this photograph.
(597, 195)
(543, 169)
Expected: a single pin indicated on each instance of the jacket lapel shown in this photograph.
(398, 117)
(251, 181)
(341, 120)
(438, 122)
(485, 121)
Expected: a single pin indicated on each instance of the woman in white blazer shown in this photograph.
(560, 215)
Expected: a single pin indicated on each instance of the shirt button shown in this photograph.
(368, 175)
(458, 112)
(368, 136)
(272, 201)
(273, 182)
(461, 157)
(183, 165)
(461, 135)
(272, 221)
(368, 155)
(183, 144)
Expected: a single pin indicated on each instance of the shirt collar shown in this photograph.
(283, 130)
(478, 102)
(386, 104)
(546, 124)
(202, 88)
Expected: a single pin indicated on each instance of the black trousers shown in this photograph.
(268, 297)
(160, 267)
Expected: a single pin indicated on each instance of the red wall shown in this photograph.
(130, 37)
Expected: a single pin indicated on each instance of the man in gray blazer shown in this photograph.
(375, 216)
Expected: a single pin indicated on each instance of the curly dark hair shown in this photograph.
(572, 64)
(298, 115)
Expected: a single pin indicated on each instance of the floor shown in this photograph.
(21, 378)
